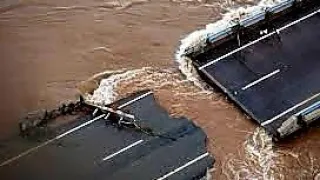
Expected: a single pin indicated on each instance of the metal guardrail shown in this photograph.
(311, 113)
(257, 16)
(276, 31)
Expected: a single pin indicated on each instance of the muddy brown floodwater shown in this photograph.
(47, 47)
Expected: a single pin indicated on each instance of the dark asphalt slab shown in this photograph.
(76, 155)
(273, 75)
(102, 150)
(156, 164)
(297, 58)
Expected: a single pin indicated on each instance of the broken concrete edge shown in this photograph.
(43, 118)
(307, 116)
(258, 17)
(207, 173)
(287, 125)
(40, 119)
(131, 98)
(299, 122)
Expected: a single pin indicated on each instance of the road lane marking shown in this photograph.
(31, 150)
(135, 99)
(122, 150)
(260, 79)
(237, 50)
(121, 113)
(184, 166)
(277, 31)
(290, 109)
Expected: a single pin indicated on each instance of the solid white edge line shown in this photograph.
(306, 109)
(260, 79)
(261, 38)
(135, 99)
(184, 166)
(289, 110)
(69, 132)
(298, 20)
(237, 50)
(107, 116)
(50, 141)
(122, 150)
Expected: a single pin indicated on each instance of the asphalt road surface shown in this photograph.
(275, 77)
(176, 149)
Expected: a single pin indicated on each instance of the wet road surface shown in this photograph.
(275, 74)
(100, 150)
(48, 47)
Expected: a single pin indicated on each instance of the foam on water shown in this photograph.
(105, 94)
(196, 41)
(261, 160)
(114, 83)
(258, 161)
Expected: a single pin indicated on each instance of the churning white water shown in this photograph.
(258, 159)
(196, 41)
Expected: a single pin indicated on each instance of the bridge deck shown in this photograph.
(101, 150)
(275, 76)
